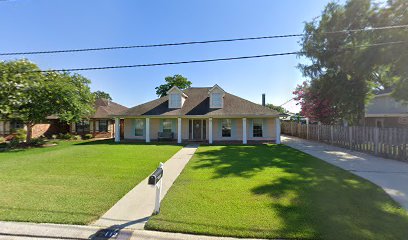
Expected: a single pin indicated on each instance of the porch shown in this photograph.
(199, 129)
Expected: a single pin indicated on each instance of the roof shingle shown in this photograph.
(198, 103)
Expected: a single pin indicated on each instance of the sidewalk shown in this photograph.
(391, 175)
(31, 231)
(135, 208)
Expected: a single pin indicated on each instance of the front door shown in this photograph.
(197, 129)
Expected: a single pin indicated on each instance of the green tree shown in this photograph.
(347, 67)
(171, 81)
(279, 109)
(31, 96)
(102, 95)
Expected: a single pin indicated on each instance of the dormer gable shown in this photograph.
(216, 94)
(176, 97)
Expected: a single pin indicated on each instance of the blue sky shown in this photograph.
(57, 24)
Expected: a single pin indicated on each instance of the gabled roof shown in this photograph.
(105, 108)
(198, 104)
(178, 90)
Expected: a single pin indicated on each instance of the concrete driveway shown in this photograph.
(390, 175)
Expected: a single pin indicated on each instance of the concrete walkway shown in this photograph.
(135, 208)
(391, 175)
(31, 231)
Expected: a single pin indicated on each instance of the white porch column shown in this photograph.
(117, 129)
(244, 131)
(278, 130)
(210, 131)
(178, 130)
(147, 130)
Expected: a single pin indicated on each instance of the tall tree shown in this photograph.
(31, 96)
(102, 95)
(171, 81)
(347, 67)
(279, 109)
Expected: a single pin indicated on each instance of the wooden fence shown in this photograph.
(384, 142)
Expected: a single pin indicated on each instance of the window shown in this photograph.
(103, 125)
(175, 100)
(257, 128)
(82, 126)
(216, 100)
(139, 127)
(167, 125)
(226, 127)
(16, 124)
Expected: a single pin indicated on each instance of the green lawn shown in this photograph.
(74, 182)
(276, 192)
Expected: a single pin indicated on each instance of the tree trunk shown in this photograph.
(29, 131)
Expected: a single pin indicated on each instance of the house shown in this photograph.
(49, 127)
(205, 114)
(100, 124)
(384, 111)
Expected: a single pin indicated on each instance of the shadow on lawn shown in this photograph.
(112, 142)
(311, 196)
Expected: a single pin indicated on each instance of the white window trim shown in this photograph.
(143, 126)
(171, 124)
(173, 104)
(221, 105)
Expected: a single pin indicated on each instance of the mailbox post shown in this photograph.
(156, 180)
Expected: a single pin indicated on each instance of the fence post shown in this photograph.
(351, 137)
(291, 128)
(376, 140)
(331, 134)
(318, 131)
(307, 128)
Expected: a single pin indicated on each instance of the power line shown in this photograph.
(288, 101)
(198, 61)
(168, 63)
(193, 42)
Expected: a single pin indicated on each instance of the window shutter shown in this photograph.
(161, 125)
(265, 127)
(110, 125)
(174, 126)
(91, 125)
(234, 128)
(73, 127)
(1, 127)
(96, 126)
(219, 128)
(251, 128)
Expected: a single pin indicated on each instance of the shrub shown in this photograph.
(65, 136)
(21, 135)
(76, 137)
(88, 136)
(37, 142)
(2, 140)
(14, 143)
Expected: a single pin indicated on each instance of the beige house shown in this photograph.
(385, 111)
(207, 114)
(101, 124)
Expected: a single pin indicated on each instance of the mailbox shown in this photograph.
(156, 176)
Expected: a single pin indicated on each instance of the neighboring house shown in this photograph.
(101, 124)
(50, 126)
(207, 114)
(384, 111)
